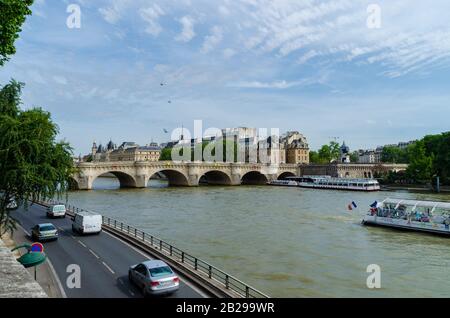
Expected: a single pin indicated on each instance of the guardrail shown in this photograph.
(193, 263)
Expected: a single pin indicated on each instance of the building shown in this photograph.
(344, 153)
(370, 156)
(271, 150)
(127, 151)
(138, 153)
(239, 133)
(296, 148)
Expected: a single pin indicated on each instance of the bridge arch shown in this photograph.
(215, 177)
(254, 178)
(175, 178)
(285, 175)
(73, 184)
(126, 180)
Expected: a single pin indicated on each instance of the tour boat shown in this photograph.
(422, 216)
(284, 183)
(329, 183)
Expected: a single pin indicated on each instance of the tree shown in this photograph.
(33, 166)
(354, 156)
(392, 154)
(420, 167)
(12, 15)
(166, 154)
(314, 157)
(328, 153)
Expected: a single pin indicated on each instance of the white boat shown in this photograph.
(284, 183)
(422, 216)
(329, 183)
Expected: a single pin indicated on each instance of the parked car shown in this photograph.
(56, 210)
(154, 277)
(44, 232)
(87, 223)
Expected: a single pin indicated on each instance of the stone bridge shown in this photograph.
(138, 174)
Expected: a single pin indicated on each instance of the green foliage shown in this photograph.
(326, 154)
(393, 154)
(12, 15)
(354, 156)
(166, 154)
(32, 164)
(420, 167)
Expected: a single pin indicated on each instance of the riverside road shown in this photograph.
(103, 259)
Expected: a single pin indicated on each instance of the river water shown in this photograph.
(286, 242)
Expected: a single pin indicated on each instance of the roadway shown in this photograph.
(103, 259)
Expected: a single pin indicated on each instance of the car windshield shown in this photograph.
(47, 228)
(59, 208)
(160, 271)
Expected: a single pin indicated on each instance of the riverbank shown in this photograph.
(413, 188)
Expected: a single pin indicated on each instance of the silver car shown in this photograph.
(44, 232)
(154, 277)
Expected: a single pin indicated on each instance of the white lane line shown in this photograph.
(82, 244)
(131, 292)
(195, 288)
(92, 252)
(61, 289)
(109, 268)
(73, 237)
(55, 275)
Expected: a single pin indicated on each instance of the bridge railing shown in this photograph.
(195, 264)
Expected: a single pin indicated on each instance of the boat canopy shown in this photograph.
(419, 204)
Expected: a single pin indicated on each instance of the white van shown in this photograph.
(87, 223)
(56, 211)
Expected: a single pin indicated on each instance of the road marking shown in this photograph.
(109, 268)
(61, 289)
(131, 292)
(73, 237)
(201, 293)
(92, 252)
(82, 244)
(55, 275)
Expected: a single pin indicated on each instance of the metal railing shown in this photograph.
(193, 263)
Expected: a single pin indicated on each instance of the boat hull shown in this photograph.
(400, 224)
(343, 188)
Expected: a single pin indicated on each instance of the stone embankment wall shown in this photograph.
(15, 280)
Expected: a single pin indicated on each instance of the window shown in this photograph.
(160, 271)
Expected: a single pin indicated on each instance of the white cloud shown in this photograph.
(212, 40)
(270, 85)
(229, 53)
(151, 16)
(111, 15)
(60, 79)
(187, 33)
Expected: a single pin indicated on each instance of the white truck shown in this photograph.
(56, 211)
(87, 223)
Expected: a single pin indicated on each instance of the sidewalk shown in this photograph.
(45, 276)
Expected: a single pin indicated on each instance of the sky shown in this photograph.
(368, 75)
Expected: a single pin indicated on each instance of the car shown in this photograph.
(154, 277)
(87, 223)
(56, 210)
(44, 232)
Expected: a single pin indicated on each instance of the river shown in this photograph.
(286, 242)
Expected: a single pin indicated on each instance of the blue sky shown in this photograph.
(309, 65)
